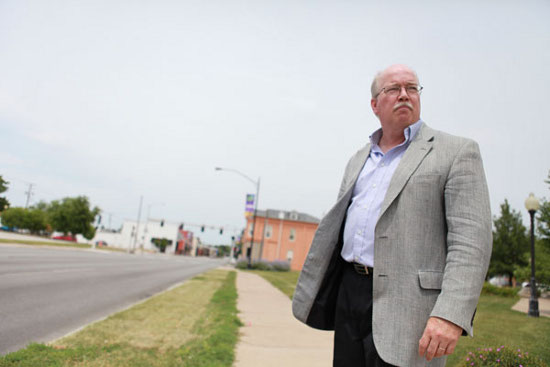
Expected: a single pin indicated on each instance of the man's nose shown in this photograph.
(403, 96)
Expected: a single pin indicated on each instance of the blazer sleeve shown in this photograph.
(469, 238)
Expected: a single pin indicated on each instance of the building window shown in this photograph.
(250, 228)
(294, 216)
(268, 231)
(292, 236)
(289, 255)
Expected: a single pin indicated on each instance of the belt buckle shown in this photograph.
(361, 269)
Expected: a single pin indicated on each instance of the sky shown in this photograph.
(118, 100)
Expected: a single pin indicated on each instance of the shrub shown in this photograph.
(280, 265)
(261, 265)
(501, 356)
(499, 291)
(264, 265)
(241, 264)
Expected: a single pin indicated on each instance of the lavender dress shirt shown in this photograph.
(368, 195)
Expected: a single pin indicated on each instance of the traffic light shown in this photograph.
(162, 223)
(202, 229)
(221, 230)
(181, 227)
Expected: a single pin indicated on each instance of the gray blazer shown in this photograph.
(432, 247)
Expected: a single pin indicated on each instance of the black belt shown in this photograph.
(362, 269)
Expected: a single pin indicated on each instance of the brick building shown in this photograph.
(280, 235)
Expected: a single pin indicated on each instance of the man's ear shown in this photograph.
(374, 105)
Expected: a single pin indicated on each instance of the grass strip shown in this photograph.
(59, 244)
(218, 329)
(495, 323)
(285, 281)
(195, 324)
(44, 243)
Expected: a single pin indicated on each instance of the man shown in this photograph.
(397, 265)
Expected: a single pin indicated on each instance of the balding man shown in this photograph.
(397, 265)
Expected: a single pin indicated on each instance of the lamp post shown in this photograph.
(532, 205)
(257, 184)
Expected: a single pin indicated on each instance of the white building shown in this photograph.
(146, 231)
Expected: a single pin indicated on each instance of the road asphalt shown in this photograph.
(46, 293)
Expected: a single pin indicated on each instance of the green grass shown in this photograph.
(45, 243)
(59, 244)
(495, 323)
(192, 325)
(285, 281)
(218, 329)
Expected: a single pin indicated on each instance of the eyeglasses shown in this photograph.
(394, 90)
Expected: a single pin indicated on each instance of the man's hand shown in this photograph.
(439, 338)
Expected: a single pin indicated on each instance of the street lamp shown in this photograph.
(257, 183)
(532, 205)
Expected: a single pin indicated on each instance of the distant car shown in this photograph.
(540, 287)
(64, 238)
(101, 243)
(7, 229)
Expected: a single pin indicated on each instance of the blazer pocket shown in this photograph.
(430, 279)
(425, 179)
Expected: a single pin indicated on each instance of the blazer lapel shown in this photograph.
(415, 153)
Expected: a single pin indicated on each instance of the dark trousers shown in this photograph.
(353, 343)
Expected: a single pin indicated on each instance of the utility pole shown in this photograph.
(137, 225)
(29, 194)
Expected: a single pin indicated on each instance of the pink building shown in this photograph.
(280, 235)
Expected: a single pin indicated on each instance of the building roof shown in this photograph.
(287, 215)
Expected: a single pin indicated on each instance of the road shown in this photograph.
(46, 293)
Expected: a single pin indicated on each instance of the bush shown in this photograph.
(241, 264)
(499, 291)
(264, 265)
(281, 265)
(502, 357)
(261, 265)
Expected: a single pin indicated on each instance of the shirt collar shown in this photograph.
(409, 132)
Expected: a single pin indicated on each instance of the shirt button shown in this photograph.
(373, 185)
(359, 232)
(382, 164)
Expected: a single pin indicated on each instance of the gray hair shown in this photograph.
(374, 90)
(374, 85)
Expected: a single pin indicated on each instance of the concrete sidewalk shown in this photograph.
(523, 306)
(271, 336)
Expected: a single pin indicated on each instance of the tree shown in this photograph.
(543, 218)
(4, 203)
(32, 219)
(73, 215)
(542, 265)
(35, 220)
(14, 217)
(161, 243)
(510, 243)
